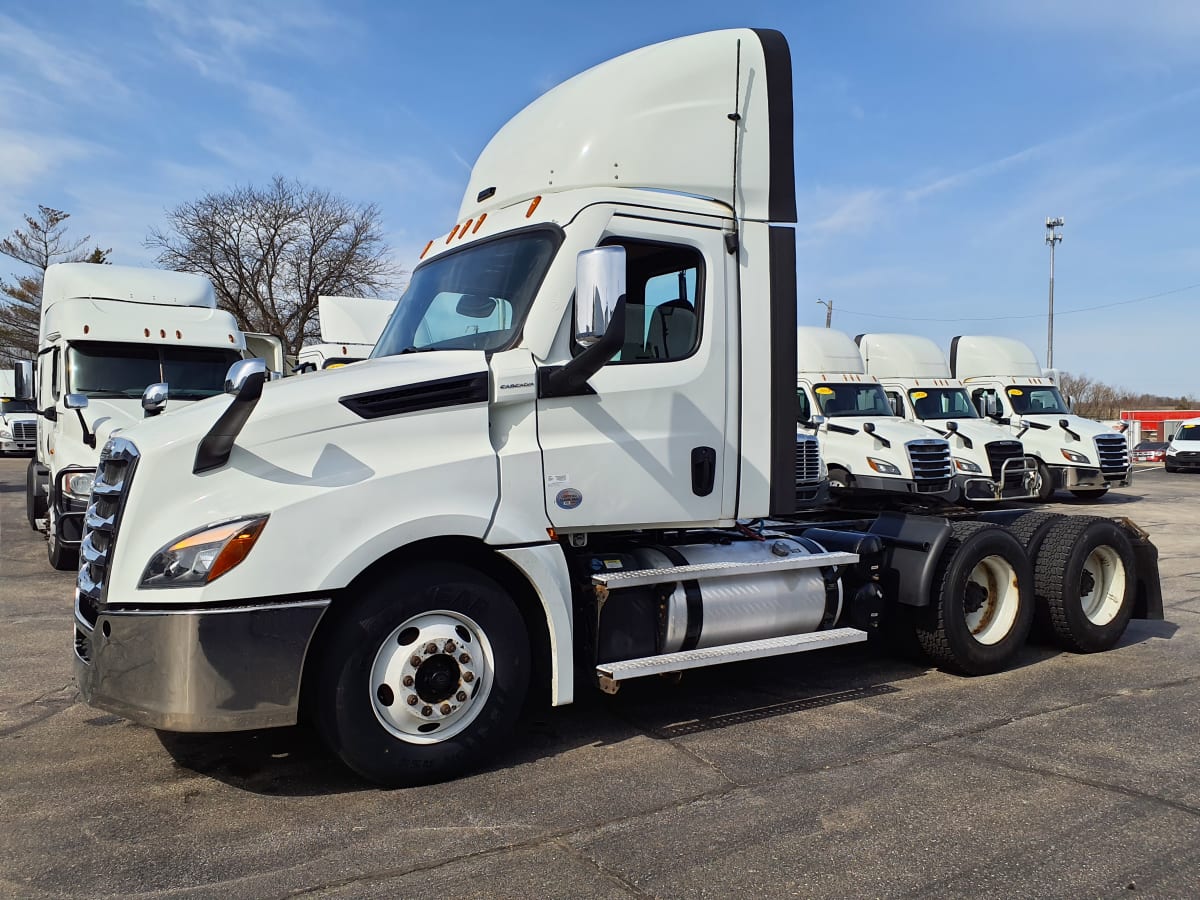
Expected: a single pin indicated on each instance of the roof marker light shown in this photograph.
(87, 328)
(532, 206)
(146, 332)
(467, 224)
(426, 250)
(452, 233)
(480, 222)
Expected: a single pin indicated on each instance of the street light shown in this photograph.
(828, 304)
(1052, 238)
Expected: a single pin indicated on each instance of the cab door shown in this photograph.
(652, 446)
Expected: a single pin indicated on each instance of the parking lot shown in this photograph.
(838, 773)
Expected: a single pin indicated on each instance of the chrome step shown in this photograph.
(613, 672)
(698, 572)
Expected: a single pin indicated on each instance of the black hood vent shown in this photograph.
(456, 391)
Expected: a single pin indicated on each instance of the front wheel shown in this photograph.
(423, 676)
(1094, 494)
(35, 501)
(840, 478)
(1170, 468)
(62, 558)
(1044, 488)
(982, 605)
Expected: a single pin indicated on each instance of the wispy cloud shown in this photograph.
(832, 212)
(70, 69)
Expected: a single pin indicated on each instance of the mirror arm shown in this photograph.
(88, 437)
(214, 448)
(572, 379)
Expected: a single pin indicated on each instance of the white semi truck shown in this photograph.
(866, 445)
(115, 344)
(18, 421)
(350, 326)
(602, 489)
(1008, 386)
(989, 462)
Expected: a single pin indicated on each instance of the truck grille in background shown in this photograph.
(931, 465)
(117, 462)
(25, 432)
(1000, 452)
(1114, 454)
(808, 459)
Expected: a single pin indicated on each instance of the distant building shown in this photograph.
(1156, 424)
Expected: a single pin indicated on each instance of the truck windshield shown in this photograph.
(1188, 433)
(942, 403)
(474, 299)
(124, 370)
(852, 400)
(1033, 399)
(8, 407)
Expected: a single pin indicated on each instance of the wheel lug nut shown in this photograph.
(415, 661)
(464, 658)
(427, 710)
(430, 648)
(408, 681)
(468, 677)
(412, 699)
(447, 709)
(461, 696)
(450, 647)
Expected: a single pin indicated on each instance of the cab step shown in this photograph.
(612, 673)
(612, 581)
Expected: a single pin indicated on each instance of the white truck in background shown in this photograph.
(989, 463)
(350, 326)
(1008, 386)
(116, 344)
(18, 421)
(600, 486)
(865, 444)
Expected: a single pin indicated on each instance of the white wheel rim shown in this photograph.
(1107, 575)
(434, 684)
(993, 619)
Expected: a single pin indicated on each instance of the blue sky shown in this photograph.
(933, 139)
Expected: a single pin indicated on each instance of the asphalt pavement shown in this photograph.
(839, 773)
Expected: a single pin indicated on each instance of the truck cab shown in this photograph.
(350, 326)
(18, 424)
(866, 445)
(989, 463)
(107, 335)
(1008, 386)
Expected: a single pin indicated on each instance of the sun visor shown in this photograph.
(902, 356)
(68, 281)
(670, 117)
(353, 320)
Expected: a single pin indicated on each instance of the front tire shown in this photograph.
(840, 478)
(423, 677)
(1045, 484)
(1085, 582)
(64, 559)
(35, 502)
(1094, 494)
(982, 605)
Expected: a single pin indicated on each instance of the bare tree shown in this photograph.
(1097, 400)
(42, 242)
(270, 252)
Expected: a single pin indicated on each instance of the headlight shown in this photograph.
(1172, 450)
(79, 486)
(5, 432)
(965, 465)
(1072, 456)
(882, 466)
(204, 555)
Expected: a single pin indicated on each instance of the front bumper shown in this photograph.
(1189, 459)
(938, 488)
(15, 446)
(205, 670)
(1073, 478)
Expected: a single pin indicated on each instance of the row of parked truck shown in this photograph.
(585, 449)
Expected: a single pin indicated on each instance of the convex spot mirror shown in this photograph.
(475, 306)
(599, 284)
(154, 398)
(241, 370)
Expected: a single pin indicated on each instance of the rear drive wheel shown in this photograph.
(982, 604)
(1085, 582)
(423, 677)
(1044, 489)
(35, 500)
(1093, 494)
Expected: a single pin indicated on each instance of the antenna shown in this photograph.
(736, 117)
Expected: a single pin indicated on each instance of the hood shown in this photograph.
(1085, 428)
(980, 431)
(308, 403)
(10, 418)
(897, 430)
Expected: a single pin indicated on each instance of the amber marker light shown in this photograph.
(237, 548)
(426, 250)
(533, 205)
(452, 233)
(463, 233)
(480, 222)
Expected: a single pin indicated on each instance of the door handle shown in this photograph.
(704, 470)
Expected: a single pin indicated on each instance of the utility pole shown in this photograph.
(1052, 238)
(828, 304)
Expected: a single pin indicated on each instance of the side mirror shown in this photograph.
(1070, 401)
(599, 284)
(23, 380)
(242, 370)
(991, 406)
(154, 398)
(894, 403)
(75, 401)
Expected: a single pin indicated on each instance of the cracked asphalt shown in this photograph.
(831, 774)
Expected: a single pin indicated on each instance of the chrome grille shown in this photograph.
(931, 466)
(24, 432)
(808, 459)
(1000, 452)
(1114, 454)
(117, 462)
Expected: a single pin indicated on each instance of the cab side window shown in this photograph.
(47, 378)
(663, 309)
(896, 403)
(803, 409)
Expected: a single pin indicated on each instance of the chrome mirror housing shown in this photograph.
(241, 370)
(154, 398)
(599, 284)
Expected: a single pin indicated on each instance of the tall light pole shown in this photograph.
(1052, 238)
(828, 304)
